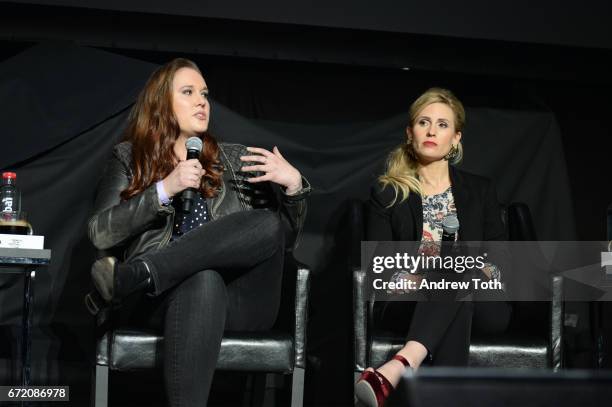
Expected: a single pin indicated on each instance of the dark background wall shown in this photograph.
(390, 65)
(285, 68)
(544, 21)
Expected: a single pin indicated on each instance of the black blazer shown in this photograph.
(476, 201)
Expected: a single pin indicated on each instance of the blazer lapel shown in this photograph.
(462, 201)
(416, 208)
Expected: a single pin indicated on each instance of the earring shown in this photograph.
(452, 154)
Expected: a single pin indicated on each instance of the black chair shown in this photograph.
(277, 352)
(520, 347)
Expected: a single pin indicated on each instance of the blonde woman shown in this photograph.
(419, 189)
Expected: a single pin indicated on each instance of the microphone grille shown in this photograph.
(193, 143)
(450, 224)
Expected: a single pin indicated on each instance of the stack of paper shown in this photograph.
(22, 241)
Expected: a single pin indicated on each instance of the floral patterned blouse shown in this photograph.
(435, 209)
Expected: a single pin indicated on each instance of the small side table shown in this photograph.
(25, 261)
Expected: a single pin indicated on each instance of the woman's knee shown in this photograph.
(204, 286)
(491, 317)
(268, 222)
(268, 231)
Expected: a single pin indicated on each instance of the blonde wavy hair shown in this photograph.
(402, 164)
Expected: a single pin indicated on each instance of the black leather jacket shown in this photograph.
(129, 228)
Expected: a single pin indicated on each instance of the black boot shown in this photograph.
(116, 281)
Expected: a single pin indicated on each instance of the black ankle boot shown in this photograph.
(116, 281)
(131, 277)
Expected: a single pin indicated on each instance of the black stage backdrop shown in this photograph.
(519, 20)
(65, 107)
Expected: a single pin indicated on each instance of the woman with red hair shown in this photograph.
(200, 272)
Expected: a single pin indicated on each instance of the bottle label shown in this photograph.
(7, 204)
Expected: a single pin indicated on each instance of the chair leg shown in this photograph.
(297, 387)
(258, 393)
(249, 394)
(271, 384)
(100, 391)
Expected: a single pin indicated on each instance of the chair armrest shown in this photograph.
(557, 316)
(302, 288)
(360, 320)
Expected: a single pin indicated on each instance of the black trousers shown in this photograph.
(224, 275)
(444, 327)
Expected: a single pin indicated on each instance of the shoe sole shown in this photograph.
(365, 394)
(102, 275)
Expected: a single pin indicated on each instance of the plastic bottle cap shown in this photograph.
(10, 175)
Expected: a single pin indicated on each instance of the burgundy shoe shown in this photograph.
(372, 389)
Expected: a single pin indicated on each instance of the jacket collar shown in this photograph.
(461, 194)
(415, 203)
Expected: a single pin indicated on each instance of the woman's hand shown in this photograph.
(275, 168)
(187, 174)
(405, 277)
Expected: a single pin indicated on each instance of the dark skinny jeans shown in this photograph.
(224, 275)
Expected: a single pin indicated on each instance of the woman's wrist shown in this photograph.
(294, 188)
(294, 185)
(164, 197)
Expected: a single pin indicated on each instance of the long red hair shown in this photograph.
(153, 129)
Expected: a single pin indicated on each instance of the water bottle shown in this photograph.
(9, 194)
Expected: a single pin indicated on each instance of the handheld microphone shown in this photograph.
(450, 226)
(194, 149)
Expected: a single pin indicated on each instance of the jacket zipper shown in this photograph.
(240, 195)
(168, 235)
(222, 195)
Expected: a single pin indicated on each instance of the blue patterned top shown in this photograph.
(185, 222)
